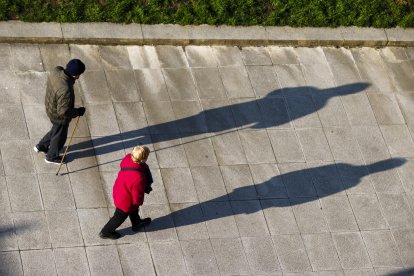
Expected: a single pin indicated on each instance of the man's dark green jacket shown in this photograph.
(60, 97)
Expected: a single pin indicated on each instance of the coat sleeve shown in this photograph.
(149, 177)
(138, 192)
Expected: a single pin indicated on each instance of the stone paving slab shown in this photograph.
(266, 161)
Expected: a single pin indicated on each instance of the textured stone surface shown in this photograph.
(199, 257)
(260, 255)
(321, 252)
(12, 122)
(257, 147)
(87, 190)
(179, 185)
(404, 239)
(26, 57)
(187, 221)
(396, 204)
(209, 183)
(279, 216)
(338, 214)
(220, 220)
(315, 145)
(385, 108)
(168, 258)
(135, 259)
(297, 180)
(180, 84)
(22, 32)
(286, 146)
(397, 36)
(230, 256)
(267, 180)
(266, 160)
(64, 228)
(164, 33)
(309, 216)
(238, 182)
(291, 253)
(209, 83)
(8, 238)
(32, 230)
(10, 263)
(249, 218)
(38, 124)
(303, 36)
(372, 69)
(370, 37)
(367, 212)
(91, 222)
(56, 192)
(200, 56)
(162, 227)
(24, 193)
(301, 108)
(343, 145)
(39, 262)
(104, 260)
(71, 261)
(381, 248)
(351, 250)
(102, 33)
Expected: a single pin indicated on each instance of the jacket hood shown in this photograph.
(128, 163)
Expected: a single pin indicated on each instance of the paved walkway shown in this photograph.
(266, 161)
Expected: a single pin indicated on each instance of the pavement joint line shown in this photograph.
(171, 34)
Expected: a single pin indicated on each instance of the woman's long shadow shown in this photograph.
(301, 186)
(269, 111)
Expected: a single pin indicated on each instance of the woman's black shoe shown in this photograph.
(140, 224)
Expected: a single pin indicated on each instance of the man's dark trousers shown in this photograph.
(55, 139)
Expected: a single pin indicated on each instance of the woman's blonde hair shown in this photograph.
(140, 153)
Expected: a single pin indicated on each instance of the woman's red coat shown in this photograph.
(129, 187)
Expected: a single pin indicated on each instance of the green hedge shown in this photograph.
(316, 13)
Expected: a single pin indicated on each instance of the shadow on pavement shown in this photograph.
(266, 112)
(6, 233)
(404, 272)
(301, 186)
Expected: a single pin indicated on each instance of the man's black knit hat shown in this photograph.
(75, 67)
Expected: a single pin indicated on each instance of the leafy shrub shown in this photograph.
(313, 13)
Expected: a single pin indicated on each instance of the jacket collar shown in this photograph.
(64, 75)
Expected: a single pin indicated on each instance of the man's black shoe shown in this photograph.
(113, 236)
(39, 148)
(55, 161)
(140, 224)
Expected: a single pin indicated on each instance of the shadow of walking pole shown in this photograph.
(266, 112)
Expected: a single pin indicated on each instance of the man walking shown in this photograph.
(60, 108)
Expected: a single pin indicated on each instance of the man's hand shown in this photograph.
(81, 111)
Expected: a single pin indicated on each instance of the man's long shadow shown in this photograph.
(300, 187)
(266, 112)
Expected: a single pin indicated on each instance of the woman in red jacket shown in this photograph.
(132, 182)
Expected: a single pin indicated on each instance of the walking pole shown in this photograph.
(70, 141)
